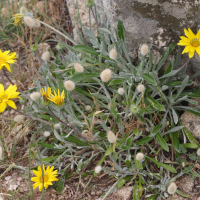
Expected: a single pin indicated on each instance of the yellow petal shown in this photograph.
(184, 39)
(191, 33)
(2, 106)
(35, 179)
(1, 90)
(40, 186)
(198, 49)
(7, 66)
(182, 43)
(11, 104)
(187, 33)
(186, 49)
(191, 54)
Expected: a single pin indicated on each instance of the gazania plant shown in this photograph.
(94, 102)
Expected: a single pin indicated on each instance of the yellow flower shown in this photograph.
(5, 97)
(57, 98)
(192, 42)
(6, 59)
(46, 93)
(45, 179)
(18, 19)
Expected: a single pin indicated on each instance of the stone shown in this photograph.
(124, 193)
(186, 184)
(155, 22)
(192, 122)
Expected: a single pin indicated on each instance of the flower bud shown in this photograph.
(98, 169)
(111, 137)
(59, 47)
(69, 85)
(141, 88)
(106, 75)
(172, 188)
(144, 49)
(139, 156)
(89, 3)
(46, 56)
(37, 24)
(23, 10)
(57, 126)
(113, 54)
(78, 67)
(35, 96)
(23, 100)
(88, 108)
(46, 134)
(19, 118)
(30, 22)
(198, 152)
(120, 91)
(34, 48)
(134, 109)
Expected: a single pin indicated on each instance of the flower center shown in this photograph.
(4, 97)
(2, 60)
(58, 101)
(46, 178)
(195, 42)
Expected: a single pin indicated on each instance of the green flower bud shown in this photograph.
(45, 103)
(34, 48)
(59, 47)
(23, 100)
(89, 3)
(134, 109)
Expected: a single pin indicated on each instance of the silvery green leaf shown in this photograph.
(184, 84)
(172, 73)
(179, 100)
(104, 30)
(191, 101)
(174, 129)
(175, 116)
(164, 87)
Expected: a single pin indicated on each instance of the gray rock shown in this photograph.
(156, 22)
(124, 193)
(192, 122)
(186, 184)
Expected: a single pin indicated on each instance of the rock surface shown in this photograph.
(156, 22)
(192, 122)
(186, 184)
(124, 193)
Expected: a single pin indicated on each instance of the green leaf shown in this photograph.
(165, 56)
(175, 138)
(190, 145)
(76, 141)
(191, 137)
(49, 146)
(175, 116)
(86, 49)
(155, 104)
(47, 117)
(120, 29)
(152, 197)
(120, 183)
(61, 183)
(169, 68)
(155, 130)
(182, 194)
(136, 132)
(162, 142)
(136, 194)
(177, 128)
(167, 167)
(144, 140)
(109, 151)
(112, 107)
(83, 76)
(49, 159)
(138, 163)
(184, 84)
(149, 79)
(116, 81)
